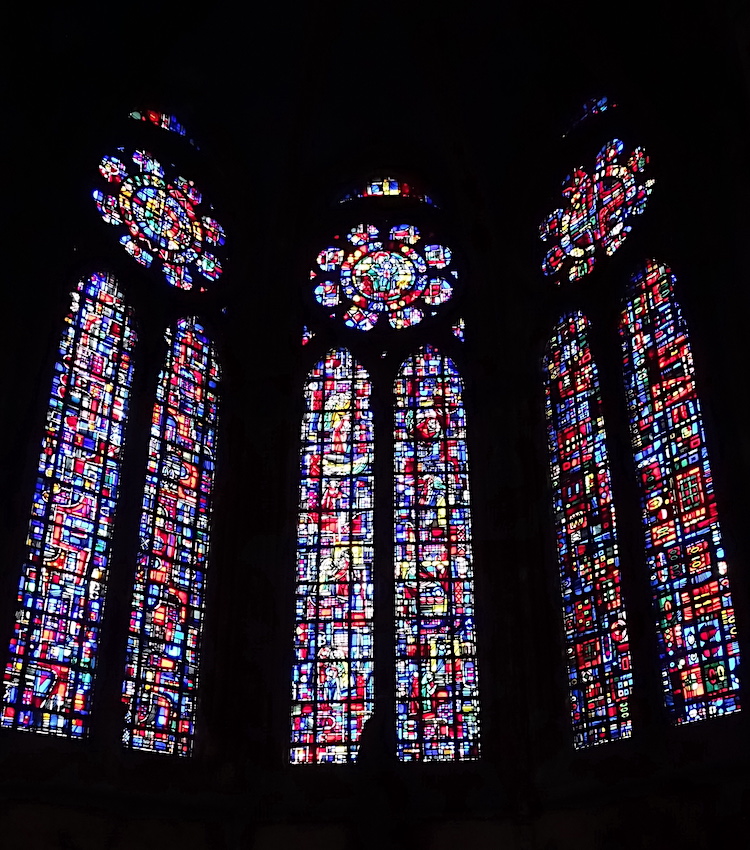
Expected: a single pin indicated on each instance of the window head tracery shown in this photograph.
(383, 272)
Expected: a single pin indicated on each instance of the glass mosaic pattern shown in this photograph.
(437, 701)
(158, 215)
(168, 606)
(596, 218)
(332, 679)
(53, 652)
(384, 271)
(596, 639)
(684, 551)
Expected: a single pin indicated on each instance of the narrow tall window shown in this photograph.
(437, 700)
(170, 586)
(684, 550)
(596, 642)
(53, 653)
(332, 679)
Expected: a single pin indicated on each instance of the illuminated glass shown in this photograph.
(159, 218)
(684, 550)
(459, 329)
(596, 217)
(436, 669)
(168, 607)
(332, 679)
(389, 186)
(162, 120)
(596, 639)
(53, 652)
(593, 106)
(386, 271)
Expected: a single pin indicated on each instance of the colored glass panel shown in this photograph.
(383, 272)
(159, 217)
(437, 700)
(684, 550)
(332, 679)
(388, 187)
(49, 676)
(168, 607)
(596, 217)
(596, 640)
(162, 120)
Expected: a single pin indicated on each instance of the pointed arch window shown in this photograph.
(332, 681)
(54, 651)
(684, 550)
(168, 606)
(437, 699)
(594, 621)
(53, 655)
(684, 553)
(386, 275)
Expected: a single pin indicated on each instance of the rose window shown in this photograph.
(399, 277)
(161, 220)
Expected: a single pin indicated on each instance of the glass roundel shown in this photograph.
(161, 219)
(384, 272)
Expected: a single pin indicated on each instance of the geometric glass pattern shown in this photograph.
(437, 702)
(376, 277)
(162, 120)
(159, 218)
(599, 207)
(49, 676)
(596, 638)
(332, 678)
(684, 551)
(388, 186)
(168, 606)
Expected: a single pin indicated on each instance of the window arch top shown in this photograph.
(162, 120)
(383, 273)
(598, 208)
(162, 218)
(388, 187)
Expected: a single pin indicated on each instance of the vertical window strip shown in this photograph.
(684, 551)
(50, 673)
(594, 621)
(168, 607)
(332, 679)
(437, 700)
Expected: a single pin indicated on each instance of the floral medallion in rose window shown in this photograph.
(381, 274)
(161, 218)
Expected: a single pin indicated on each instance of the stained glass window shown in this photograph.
(53, 653)
(684, 550)
(159, 217)
(170, 585)
(436, 669)
(597, 213)
(596, 640)
(384, 271)
(332, 680)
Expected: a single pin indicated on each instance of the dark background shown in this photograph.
(291, 108)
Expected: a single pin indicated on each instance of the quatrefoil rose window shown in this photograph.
(396, 277)
(597, 214)
(161, 219)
